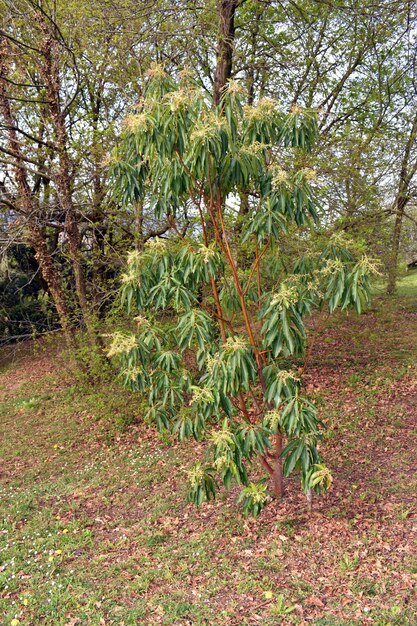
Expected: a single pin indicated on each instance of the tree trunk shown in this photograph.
(52, 279)
(277, 476)
(49, 69)
(395, 248)
(226, 10)
(408, 170)
(31, 212)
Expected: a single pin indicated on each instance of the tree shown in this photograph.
(408, 170)
(69, 72)
(225, 42)
(57, 118)
(228, 369)
(356, 64)
(26, 203)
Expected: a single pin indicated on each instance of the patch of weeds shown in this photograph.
(395, 616)
(405, 512)
(176, 609)
(281, 607)
(124, 420)
(349, 563)
(31, 403)
(165, 438)
(287, 526)
(271, 565)
(247, 584)
(367, 587)
(157, 540)
(142, 582)
(335, 621)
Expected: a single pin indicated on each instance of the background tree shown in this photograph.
(355, 65)
(58, 119)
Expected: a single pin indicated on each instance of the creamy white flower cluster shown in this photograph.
(121, 344)
(285, 296)
(233, 344)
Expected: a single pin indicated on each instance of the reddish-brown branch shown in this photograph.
(233, 267)
(266, 465)
(277, 477)
(243, 407)
(256, 267)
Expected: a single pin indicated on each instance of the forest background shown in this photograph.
(71, 72)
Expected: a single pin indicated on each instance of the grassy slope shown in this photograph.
(96, 530)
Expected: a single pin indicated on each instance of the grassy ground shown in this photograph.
(96, 530)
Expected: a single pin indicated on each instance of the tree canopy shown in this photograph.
(188, 158)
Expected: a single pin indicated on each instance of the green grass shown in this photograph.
(406, 286)
(96, 530)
